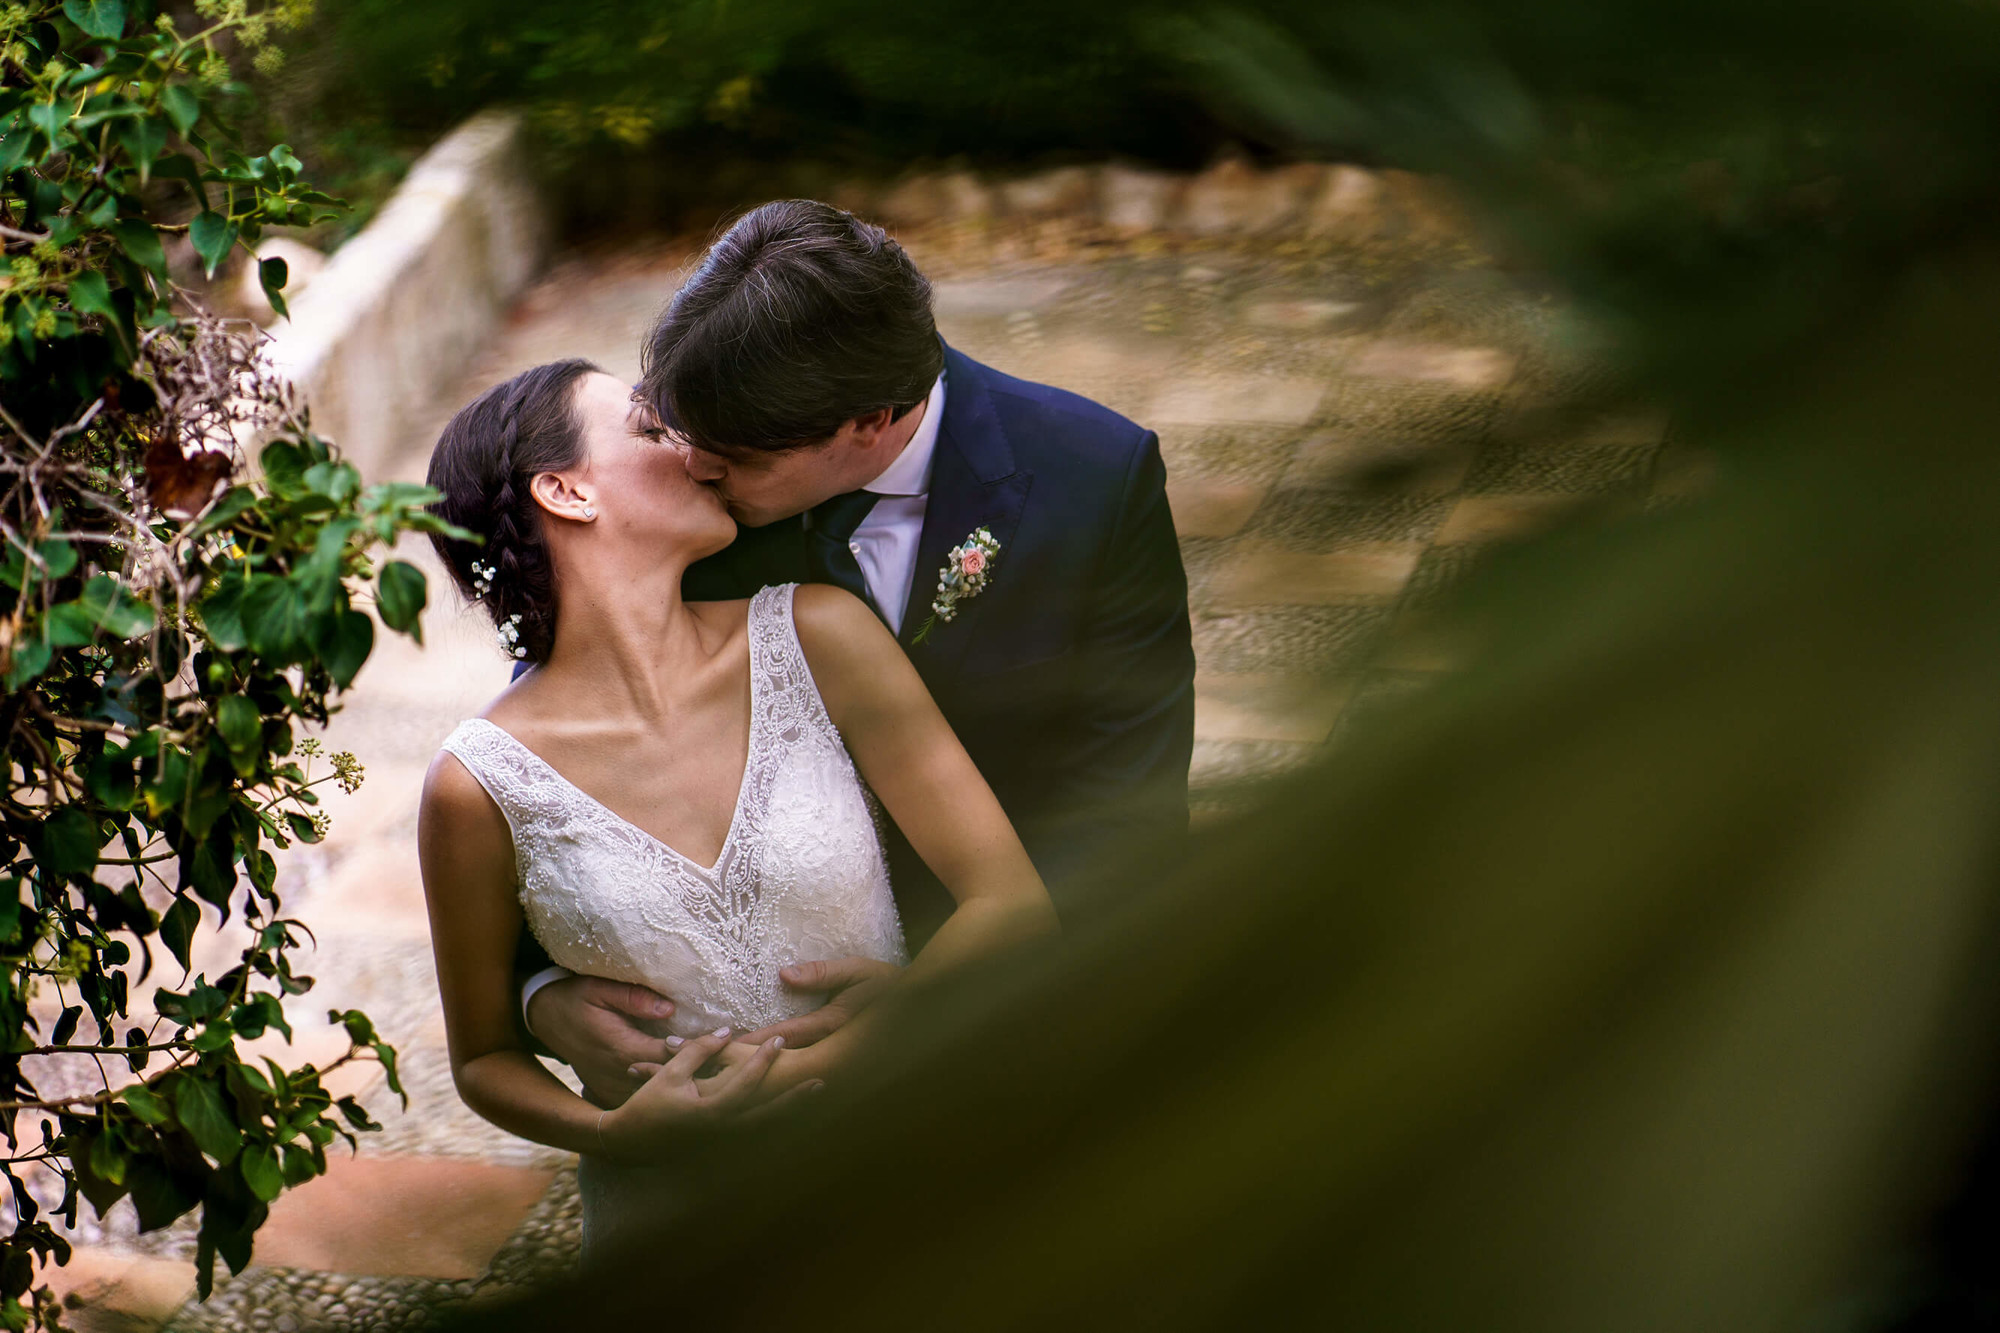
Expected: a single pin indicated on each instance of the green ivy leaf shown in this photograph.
(58, 556)
(143, 139)
(70, 625)
(113, 782)
(360, 1028)
(238, 721)
(274, 617)
(338, 482)
(284, 465)
(13, 147)
(104, 19)
(90, 294)
(387, 1055)
(198, 1105)
(233, 503)
(353, 641)
(149, 1106)
(70, 841)
(31, 659)
(262, 869)
(106, 1162)
(181, 105)
(213, 235)
(261, 1171)
(299, 1165)
(50, 119)
(141, 244)
(400, 596)
(355, 1114)
(212, 1038)
(272, 274)
(159, 1193)
(104, 605)
(222, 615)
(177, 928)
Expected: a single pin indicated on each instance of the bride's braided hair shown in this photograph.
(482, 467)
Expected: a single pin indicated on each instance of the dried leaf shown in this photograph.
(181, 484)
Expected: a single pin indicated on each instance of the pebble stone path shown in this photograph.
(1345, 427)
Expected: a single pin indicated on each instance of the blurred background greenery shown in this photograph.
(1642, 976)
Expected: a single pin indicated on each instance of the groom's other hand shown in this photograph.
(852, 983)
(601, 1029)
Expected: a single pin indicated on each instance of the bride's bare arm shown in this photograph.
(467, 855)
(909, 755)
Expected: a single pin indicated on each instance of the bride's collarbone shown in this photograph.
(674, 774)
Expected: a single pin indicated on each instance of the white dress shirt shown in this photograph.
(885, 545)
(886, 542)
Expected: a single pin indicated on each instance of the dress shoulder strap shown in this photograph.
(784, 688)
(510, 772)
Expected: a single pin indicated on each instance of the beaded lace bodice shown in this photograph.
(801, 875)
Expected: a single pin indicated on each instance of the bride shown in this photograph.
(674, 795)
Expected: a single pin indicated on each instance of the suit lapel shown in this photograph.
(974, 484)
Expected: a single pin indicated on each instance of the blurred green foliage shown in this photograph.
(1643, 974)
(843, 78)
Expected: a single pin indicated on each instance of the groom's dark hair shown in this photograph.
(801, 318)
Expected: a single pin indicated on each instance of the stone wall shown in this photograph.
(403, 306)
(1231, 198)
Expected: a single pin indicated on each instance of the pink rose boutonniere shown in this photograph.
(968, 567)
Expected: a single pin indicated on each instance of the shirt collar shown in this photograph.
(910, 474)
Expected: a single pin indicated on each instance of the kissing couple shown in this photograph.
(816, 569)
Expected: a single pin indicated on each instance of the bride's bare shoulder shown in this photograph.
(454, 798)
(849, 649)
(826, 615)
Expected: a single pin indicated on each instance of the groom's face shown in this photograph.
(764, 486)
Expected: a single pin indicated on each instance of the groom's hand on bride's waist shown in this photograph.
(851, 985)
(601, 1029)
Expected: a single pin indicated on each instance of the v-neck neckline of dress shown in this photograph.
(742, 787)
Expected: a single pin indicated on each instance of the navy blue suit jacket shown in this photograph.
(1070, 679)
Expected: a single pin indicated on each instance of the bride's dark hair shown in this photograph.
(482, 466)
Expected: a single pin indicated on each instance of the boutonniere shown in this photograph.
(967, 568)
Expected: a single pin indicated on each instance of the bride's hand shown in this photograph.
(674, 1099)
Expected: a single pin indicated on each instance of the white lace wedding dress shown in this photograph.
(801, 875)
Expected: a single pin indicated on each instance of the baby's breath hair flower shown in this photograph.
(482, 578)
(510, 636)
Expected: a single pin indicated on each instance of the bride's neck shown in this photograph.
(624, 626)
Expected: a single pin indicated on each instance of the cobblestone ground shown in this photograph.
(1345, 429)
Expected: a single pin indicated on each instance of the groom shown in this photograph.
(853, 447)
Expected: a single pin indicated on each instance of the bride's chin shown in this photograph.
(726, 526)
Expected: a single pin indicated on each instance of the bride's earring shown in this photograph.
(589, 512)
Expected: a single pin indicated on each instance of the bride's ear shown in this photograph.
(562, 496)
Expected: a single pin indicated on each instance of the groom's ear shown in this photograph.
(868, 428)
(559, 496)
